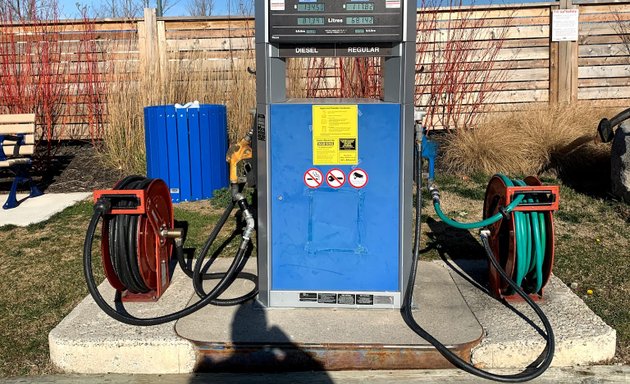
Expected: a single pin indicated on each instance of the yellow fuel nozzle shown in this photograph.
(237, 153)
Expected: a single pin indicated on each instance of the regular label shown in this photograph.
(365, 299)
(345, 299)
(335, 134)
(260, 127)
(327, 298)
(306, 296)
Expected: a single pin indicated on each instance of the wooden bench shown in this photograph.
(17, 145)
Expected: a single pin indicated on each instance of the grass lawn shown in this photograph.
(42, 278)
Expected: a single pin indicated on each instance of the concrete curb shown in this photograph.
(576, 375)
(581, 336)
(88, 341)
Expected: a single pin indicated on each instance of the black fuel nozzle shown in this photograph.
(103, 205)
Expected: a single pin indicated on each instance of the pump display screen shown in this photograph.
(334, 21)
(359, 6)
(359, 20)
(311, 7)
(310, 21)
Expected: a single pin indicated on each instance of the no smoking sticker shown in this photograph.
(335, 178)
(358, 178)
(313, 178)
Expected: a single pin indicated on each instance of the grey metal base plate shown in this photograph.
(312, 338)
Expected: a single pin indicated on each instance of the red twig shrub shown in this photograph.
(49, 71)
(455, 62)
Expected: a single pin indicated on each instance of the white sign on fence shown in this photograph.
(564, 25)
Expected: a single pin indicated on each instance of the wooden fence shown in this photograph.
(530, 67)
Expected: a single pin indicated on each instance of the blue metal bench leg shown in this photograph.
(12, 199)
(21, 176)
(35, 191)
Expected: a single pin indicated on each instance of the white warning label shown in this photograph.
(335, 178)
(313, 178)
(277, 5)
(358, 178)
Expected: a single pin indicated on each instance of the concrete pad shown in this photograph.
(89, 341)
(87, 334)
(37, 209)
(581, 336)
(236, 337)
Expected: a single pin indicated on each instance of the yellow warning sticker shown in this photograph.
(335, 134)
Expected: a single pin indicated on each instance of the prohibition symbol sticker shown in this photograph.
(358, 178)
(335, 178)
(313, 178)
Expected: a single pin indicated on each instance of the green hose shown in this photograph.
(529, 230)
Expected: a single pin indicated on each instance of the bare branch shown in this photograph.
(200, 7)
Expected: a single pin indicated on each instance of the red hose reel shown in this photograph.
(151, 208)
(502, 238)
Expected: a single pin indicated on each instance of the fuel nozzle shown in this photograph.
(240, 152)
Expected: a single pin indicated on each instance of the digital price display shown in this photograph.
(310, 21)
(311, 7)
(359, 20)
(334, 21)
(358, 7)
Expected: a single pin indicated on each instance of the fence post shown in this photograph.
(567, 65)
(162, 51)
(554, 73)
(148, 44)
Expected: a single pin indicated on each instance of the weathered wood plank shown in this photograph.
(605, 39)
(593, 61)
(604, 82)
(607, 71)
(22, 118)
(211, 44)
(24, 150)
(29, 139)
(604, 50)
(604, 93)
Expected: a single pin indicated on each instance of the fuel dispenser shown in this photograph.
(334, 175)
(334, 196)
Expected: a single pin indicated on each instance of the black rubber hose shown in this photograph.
(620, 117)
(606, 126)
(132, 320)
(204, 250)
(407, 314)
(122, 236)
(124, 243)
(197, 273)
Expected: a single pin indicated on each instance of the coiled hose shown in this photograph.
(122, 248)
(530, 230)
(534, 370)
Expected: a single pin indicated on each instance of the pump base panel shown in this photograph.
(256, 338)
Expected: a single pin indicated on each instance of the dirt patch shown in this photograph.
(76, 167)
